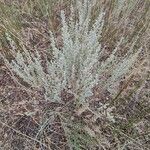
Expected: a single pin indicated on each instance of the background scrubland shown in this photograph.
(74, 75)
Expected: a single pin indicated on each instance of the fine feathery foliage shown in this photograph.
(75, 67)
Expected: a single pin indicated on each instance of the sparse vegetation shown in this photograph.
(74, 75)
